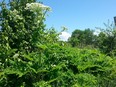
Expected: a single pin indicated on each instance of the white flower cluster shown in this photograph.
(37, 6)
(15, 14)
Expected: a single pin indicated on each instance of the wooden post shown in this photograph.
(115, 20)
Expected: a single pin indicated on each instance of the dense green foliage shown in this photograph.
(32, 56)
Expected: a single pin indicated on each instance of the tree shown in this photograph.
(107, 39)
(82, 38)
(22, 24)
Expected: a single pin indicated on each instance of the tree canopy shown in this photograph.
(82, 37)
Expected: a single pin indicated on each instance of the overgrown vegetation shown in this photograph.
(32, 56)
(104, 40)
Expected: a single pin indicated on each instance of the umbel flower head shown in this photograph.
(37, 6)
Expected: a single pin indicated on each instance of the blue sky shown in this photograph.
(80, 14)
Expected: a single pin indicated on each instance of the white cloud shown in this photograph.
(96, 32)
(64, 36)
